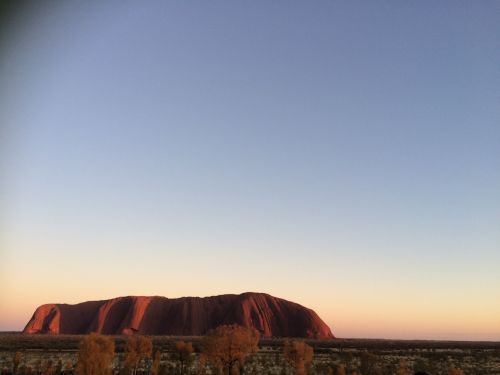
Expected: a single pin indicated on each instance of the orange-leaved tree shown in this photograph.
(95, 356)
(228, 346)
(137, 349)
(298, 354)
(183, 351)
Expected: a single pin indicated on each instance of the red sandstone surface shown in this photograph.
(190, 316)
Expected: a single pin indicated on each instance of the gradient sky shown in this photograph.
(343, 155)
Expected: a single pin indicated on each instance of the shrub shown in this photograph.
(298, 354)
(228, 346)
(95, 356)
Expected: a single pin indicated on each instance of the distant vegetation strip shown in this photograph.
(19, 341)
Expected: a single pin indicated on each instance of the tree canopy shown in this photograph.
(228, 346)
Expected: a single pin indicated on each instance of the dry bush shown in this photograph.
(403, 368)
(298, 354)
(183, 353)
(368, 364)
(18, 357)
(452, 370)
(137, 349)
(68, 368)
(48, 368)
(228, 346)
(155, 365)
(95, 356)
(340, 370)
(202, 364)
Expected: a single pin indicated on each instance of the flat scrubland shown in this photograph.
(360, 356)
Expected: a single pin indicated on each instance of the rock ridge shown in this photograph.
(185, 316)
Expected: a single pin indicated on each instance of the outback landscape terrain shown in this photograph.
(361, 356)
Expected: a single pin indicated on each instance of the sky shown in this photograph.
(342, 155)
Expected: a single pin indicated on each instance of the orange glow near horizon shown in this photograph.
(347, 320)
(410, 309)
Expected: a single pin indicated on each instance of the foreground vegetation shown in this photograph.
(237, 350)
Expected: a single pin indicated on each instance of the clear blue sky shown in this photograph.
(344, 155)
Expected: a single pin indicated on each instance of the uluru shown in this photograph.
(189, 316)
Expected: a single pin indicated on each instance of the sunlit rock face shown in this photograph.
(190, 316)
